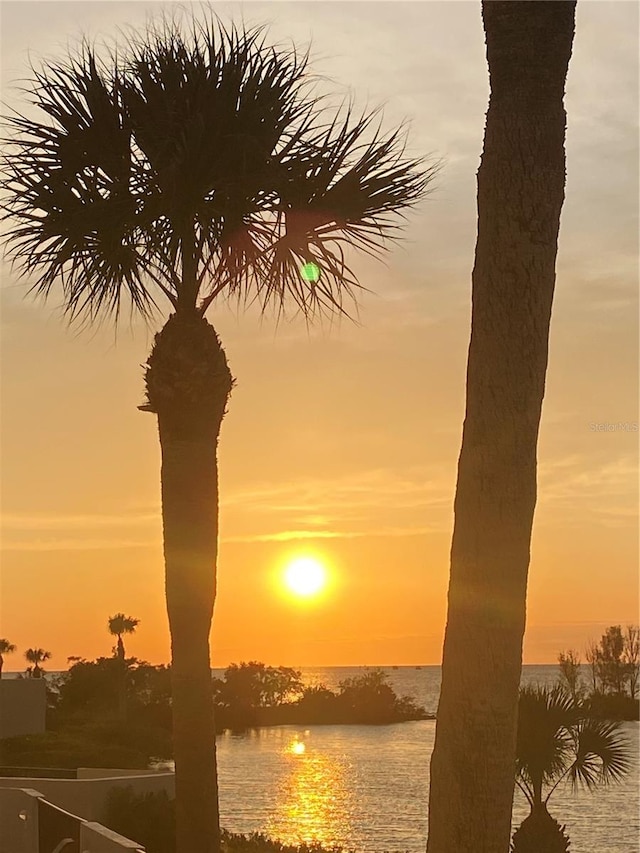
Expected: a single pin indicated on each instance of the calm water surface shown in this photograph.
(366, 787)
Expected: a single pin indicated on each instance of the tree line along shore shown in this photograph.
(116, 712)
(117, 709)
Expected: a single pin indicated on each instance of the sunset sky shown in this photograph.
(341, 440)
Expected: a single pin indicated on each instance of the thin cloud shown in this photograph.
(339, 508)
(377, 488)
(291, 535)
(17, 521)
(569, 479)
(349, 507)
(78, 545)
(318, 499)
(573, 485)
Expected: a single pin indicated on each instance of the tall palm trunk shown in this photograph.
(121, 677)
(520, 195)
(188, 385)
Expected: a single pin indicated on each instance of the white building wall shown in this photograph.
(87, 797)
(19, 827)
(18, 821)
(95, 838)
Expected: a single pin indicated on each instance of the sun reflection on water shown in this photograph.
(314, 796)
(297, 747)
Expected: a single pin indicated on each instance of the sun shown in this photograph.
(305, 576)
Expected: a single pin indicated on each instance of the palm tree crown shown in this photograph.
(6, 648)
(558, 739)
(119, 625)
(197, 165)
(36, 657)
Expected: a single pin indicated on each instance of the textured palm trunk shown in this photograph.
(122, 691)
(520, 195)
(188, 385)
(122, 680)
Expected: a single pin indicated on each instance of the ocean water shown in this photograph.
(366, 787)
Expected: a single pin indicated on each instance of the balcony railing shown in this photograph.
(31, 824)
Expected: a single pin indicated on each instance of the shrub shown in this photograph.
(612, 706)
(369, 698)
(148, 819)
(258, 843)
(247, 698)
(68, 749)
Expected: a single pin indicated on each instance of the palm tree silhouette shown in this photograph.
(558, 739)
(6, 648)
(36, 657)
(191, 168)
(521, 181)
(119, 625)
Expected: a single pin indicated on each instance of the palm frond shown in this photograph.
(331, 191)
(603, 754)
(121, 624)
(37, 655)
(201, 164)
(545, 741)
(558, 739)
(68, 196)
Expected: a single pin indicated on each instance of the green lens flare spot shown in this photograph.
(310, 272)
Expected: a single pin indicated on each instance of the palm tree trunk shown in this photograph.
(122, 691)
(188, 384)
(190, 504)
(520, 195)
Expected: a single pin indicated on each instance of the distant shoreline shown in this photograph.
(7, 673)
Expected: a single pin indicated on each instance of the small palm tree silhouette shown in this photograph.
(119, 625)
(36, 657)
(557, 740)
(6, 648)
